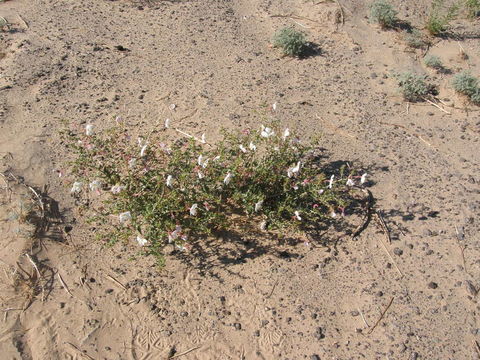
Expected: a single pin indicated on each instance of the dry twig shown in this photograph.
(63, 284)
(391, 258)
(116, 281)
(184, 353)
(381, 316)
(384, 226)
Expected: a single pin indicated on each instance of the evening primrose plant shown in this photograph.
(177, 193)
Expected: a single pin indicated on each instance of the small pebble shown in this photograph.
(432, 285)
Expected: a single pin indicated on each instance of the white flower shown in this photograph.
(242, 148)
(330, 182)
(141, 141)
(77, 187)
(118, 120)
(172, 107)
(200, 175)
(141, 240)
(333, 214)
(297, 215)
(143, 150)
(320, 192)
(263, 225)
(205, 163)
(350, 182)
(132, 162)
(286, 134)
(200, 160)
(252, 146)
(89, 130)
(167, 123)
(117, 189)
(174, 234)
(194, 210)
(267, 132)
(363, 178)
(95, 185)
(274, 106)
(258, 206)
(169, 180)
(125, 217)
(216, 158)
(202, 140)
(294, 170)
(227, 179)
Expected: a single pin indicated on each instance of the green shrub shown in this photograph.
(415, 39)
(414, 87)
(291, 41)
(164, 194)
(433, 61)
(475, 97)
(473, 8)
(383, 13)
(465, 83)
(440, 17)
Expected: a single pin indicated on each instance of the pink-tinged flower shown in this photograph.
(294, 170)
(194, 210)
(321, 191)
(77, 187)
(286, 134)
(267, 132)
(125, 217)
(263, 226)
(117, 189)
(330, 182)
(242, 148)
(342, 210)
(165, 148)
(143, 150)
(315, 206)
(252, 146)
(297, 215)
(306, 182)
(258, 206)
(95, 185)
(89, 130)
(118, 120)
(141, 240)
(132, 163)
(206, 205)
(174, 235)
(363, 179)
(246, 131)
(350, 182)
(169, 180)
(227, 178)
(167, 123)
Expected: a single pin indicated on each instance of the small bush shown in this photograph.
(433, 61)
(440, 17)
(466, 84)
(161, 194)
(383, 13)
(473, 8)
(415, 39)
(413, 87)
(291, 41)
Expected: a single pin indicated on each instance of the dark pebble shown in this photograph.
(237, 326)
(315, 357)
(432, 285)
(398, 251)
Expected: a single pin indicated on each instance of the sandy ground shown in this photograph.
(85, 60)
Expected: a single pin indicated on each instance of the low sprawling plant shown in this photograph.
(414, 87)
(180, 192)
(440, 17)
(416, 39)
(473, 8)
(383, 13)
(291, 41)
(465, 83)
(433, 61)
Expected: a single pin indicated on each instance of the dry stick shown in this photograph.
(381, 316)
(184, 353)
(363, 318)
(438, 107)
(384, 226)
(477, 347)
(407, 130)
(23, 20)
(342, 13)
(190, 136)
(80, 351)
(34, 265)
(462, 250)
(273, 289)
(63, 284)
(368, 216)
(116, 281)
(391, 258)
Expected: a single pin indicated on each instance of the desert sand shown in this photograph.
(65, 295)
